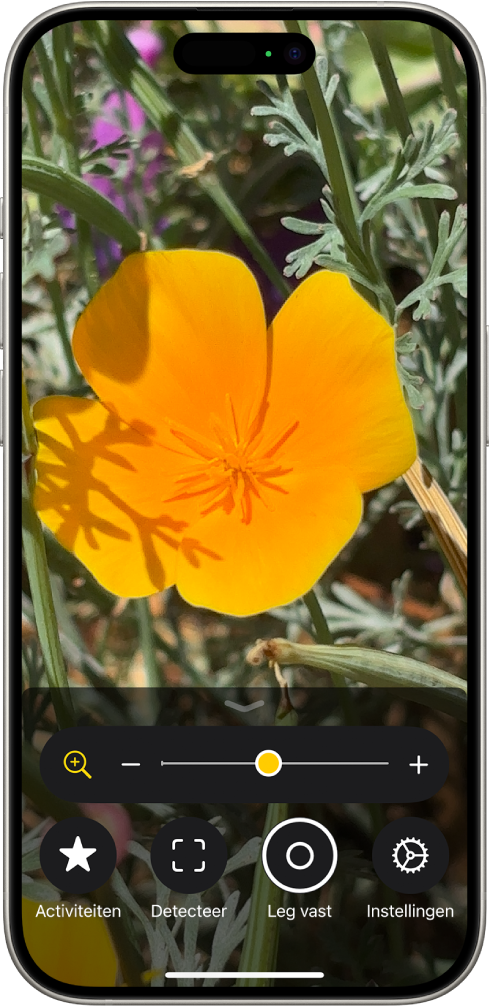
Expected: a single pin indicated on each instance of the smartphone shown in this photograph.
(244, 735)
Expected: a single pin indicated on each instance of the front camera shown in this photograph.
(294, 54)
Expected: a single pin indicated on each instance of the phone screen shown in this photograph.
(249, 746)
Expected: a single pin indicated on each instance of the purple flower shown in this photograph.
(108, 127)
(148, 45)
(122, 114)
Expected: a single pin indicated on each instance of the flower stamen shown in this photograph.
(234, 471)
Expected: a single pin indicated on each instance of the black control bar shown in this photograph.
(193, 764)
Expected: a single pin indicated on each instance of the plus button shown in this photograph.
(418, 765)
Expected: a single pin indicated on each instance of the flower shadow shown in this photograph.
(91, 475)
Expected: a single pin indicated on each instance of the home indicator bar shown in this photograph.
(236, 975)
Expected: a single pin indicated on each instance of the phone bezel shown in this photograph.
(477, 439)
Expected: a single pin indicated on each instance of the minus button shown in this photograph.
(130, 764)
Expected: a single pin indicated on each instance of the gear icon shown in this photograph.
(410, 855)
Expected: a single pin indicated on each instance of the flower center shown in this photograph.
(231, 469)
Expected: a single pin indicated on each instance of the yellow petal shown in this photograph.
(101, 490)
(293, 534)
(334, 371)
(76, 950)
(176, 335)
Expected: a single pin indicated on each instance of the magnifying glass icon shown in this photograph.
(72, 764)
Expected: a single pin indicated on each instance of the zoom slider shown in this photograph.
(248, 764)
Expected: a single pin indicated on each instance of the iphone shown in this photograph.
(244, 364)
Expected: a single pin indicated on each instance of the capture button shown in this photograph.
(299, 855)
(189, 855)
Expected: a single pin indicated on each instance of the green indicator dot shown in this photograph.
(268, 53)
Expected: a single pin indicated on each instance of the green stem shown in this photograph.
(60, 121)
(319, 622)
(373, 31)
(29, 439)
(86, 257)
(54, 291)
(212, 185)
(32, 109)
(302, 25)
(61, 55)
(449, 73)
(129, 71)
(146, 638)
(53, 286)
(447, 66)
(358, 245)
(86, 254)
(323, 636)
(37, 569)
(262, 931)
(64, 126)
(337, 170)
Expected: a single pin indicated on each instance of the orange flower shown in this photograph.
(221, 457)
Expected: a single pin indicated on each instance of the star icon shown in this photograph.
(77, 855)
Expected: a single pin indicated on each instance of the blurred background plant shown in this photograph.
(359, 166)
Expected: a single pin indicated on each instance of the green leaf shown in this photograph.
(42, 97)
(301, 260)
(229, 934)
(340, 266)
(261, 941)
(330, 91)
(117, 149)
(39, 891)
(41, 262)
(247, 854)
(427, 290)
(431, 190)
(62, 187)
(101, 169)
(367, 187)
(415, 397)
(302, 226)
(283, 135)
(300, 137)
(365, 665)
(448, 240)
(30, 859)
(432, 145)
(406, 343)
(458, 279)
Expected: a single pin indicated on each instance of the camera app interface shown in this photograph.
(244, 688)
